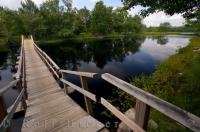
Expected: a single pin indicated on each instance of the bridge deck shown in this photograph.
(49, 108)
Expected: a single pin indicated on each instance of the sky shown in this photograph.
(152, 20)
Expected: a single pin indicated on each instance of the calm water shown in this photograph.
(124, 58)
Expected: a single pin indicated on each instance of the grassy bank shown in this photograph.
(176, 80)
(166, 33)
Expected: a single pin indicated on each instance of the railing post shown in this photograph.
(3, 110)
(3, 113)
(64, 85)
(88, 103)
(23, 100)
(24, 74)
(142, 111)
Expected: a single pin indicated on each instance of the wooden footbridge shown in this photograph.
(43, 94)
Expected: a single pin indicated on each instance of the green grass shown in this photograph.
(177, 81)
(161, 33)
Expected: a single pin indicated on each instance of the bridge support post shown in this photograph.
(64, 85)
(88, 103)
(3, 110)
(24, 75)
(23, 100)
(3, 113)
(142, 111)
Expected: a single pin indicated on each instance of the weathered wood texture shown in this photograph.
(131, 124)
(48, 107)
(3, 111)
(142, 111)
(88, 103)
(84, 74)
(187, 119)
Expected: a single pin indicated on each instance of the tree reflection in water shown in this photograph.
(72, 53)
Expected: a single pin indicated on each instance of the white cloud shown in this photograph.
(12, 4)
(135, 10)
(156, 18)
(94, 0)
(15, 4)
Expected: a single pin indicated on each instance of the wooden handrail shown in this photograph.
(7, 87)
(84, 74)
(7, 114)
(19, 67)
(48, 58)
(144, 100)
(49, 65)
(131, 124)
(7, 120)
(187, 119)
(82, 91)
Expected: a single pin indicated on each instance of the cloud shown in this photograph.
(94, 0)
(15, 4)
(12, 4)
(156, 18)
(135, 11)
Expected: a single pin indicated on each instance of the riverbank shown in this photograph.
(90, 37)
(176, 80)
(167, 33)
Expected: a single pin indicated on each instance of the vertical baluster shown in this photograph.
(24, 75)
(3, 113)
(3, 110)
(88, 103)
(142, 111)
(64, 85)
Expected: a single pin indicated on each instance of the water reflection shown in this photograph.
(121, 57)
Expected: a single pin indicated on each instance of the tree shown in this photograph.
(119, 17)
(68, 4)
(101, 20)
(133, 24)
(84, 15)
(164, 26)
(187, 7)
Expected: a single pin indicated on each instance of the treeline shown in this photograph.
(59, 20)
(167, 27)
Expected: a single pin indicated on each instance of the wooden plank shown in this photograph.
(7, 87)
(88, 103)
(142, 111)
(82, 124)
(11, 111)
(187, 119)
(49, 65)
(3, 110)
(85, 74)
(47, 102)
(49, 59)
(84, 92)
(121, 116)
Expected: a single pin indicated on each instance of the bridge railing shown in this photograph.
(19, 82)
(54, 68)
(144, 100)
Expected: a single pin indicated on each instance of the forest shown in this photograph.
(58, 19)
(52, 20)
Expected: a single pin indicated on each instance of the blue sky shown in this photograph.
(152, 20)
